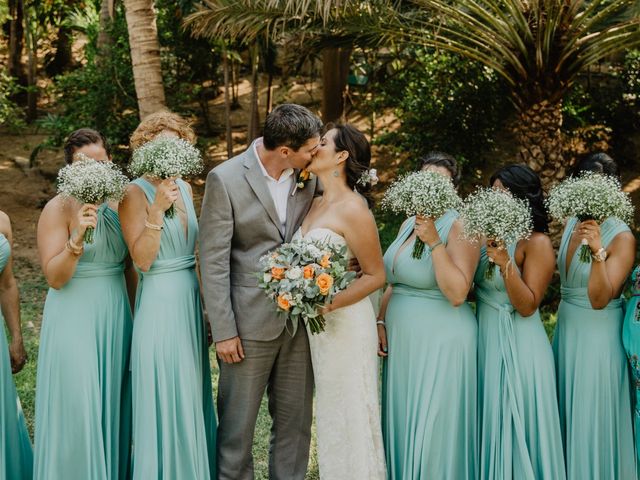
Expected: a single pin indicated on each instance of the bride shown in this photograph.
(344, 356)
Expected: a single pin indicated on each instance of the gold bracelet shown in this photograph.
(153, 226)
(73, 249)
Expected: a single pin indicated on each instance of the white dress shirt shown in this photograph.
(279, 188)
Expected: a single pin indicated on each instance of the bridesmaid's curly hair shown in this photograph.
(155, 123)
(525, 184)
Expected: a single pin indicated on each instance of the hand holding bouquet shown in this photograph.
(424, 193)
(591, 196)
(302, 276)
(90, 181)
(497, 216)
(166, 157)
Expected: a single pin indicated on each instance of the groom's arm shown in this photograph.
(216, 232)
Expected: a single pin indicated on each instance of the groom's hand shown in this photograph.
(230, 351)
(354, 266)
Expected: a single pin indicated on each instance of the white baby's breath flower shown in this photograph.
(294, 273)
(165, 157)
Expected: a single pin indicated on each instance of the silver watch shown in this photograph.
(600, 255)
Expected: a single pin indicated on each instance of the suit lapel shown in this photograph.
(256, 180)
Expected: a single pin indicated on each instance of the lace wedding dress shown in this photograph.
(345, 368)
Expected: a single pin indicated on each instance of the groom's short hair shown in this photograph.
(290, 125)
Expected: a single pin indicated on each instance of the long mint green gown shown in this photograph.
(631, 341)
(593, 378)
(174, 421)
(83, 398)
(16, 456)
(520, 428)
(429, 390)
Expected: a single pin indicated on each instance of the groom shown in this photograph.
(253, 203)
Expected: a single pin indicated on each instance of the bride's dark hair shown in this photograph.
(353, 141)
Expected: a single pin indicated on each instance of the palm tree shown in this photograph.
(145, 55)
(538, 47)
(316, 24)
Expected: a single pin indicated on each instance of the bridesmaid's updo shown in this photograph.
(598, 162)
(348, 138)
(81, 138)
(441, 159)
(524, 183)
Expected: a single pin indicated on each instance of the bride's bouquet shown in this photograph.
(425, 193)
(591, 196)
(497, 216)
(302, 276)
(166, 157)
(91, 181)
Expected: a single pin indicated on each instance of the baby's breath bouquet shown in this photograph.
(591, 196)
(303, 275)
(166, 157)
(425, 193)
(91, 181)
(497, 216)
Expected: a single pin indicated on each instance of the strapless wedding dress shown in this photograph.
(345, 368)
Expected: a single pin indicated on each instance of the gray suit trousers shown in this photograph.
(283, 367)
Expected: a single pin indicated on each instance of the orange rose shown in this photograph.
(308, 272)
(283, 303)
(325, 282)
(325, 262)
(277, 273)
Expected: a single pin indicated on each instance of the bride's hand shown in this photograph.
(382, 341)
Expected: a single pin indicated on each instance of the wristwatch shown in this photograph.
(600, 255)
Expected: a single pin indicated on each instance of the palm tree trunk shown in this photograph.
(227, 103)
(335, 70)
(145, 56)
(104, 38)
(254, 113)
(541, 142)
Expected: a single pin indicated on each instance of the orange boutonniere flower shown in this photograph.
(303, 177)
(324, 282)
(283, 303)
(308, 272)
(277, 273)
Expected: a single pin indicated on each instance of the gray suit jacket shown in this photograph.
(239, 224)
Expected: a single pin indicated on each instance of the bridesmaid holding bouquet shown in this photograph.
(174, 420)
(16, 456)
(592, 371)
(83, 403)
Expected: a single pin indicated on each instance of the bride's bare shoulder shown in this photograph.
(354, 205)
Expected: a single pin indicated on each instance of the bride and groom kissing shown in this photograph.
(253, 203)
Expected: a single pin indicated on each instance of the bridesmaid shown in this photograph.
(16, 456)
(174, 421)
(520, 428)
(429, 392)
(631, 341)
(593, 378)
(83, 403)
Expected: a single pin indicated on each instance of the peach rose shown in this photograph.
(325, 282)
(325, 262)
(308, 272)
(277, 273)
(283, 303)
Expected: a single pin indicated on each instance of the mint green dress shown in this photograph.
(429, 391)
(174, 421)
(83, 402)
(593, 378)
(631, 341)
(517, 400)
(16, 456)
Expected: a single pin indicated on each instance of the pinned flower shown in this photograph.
(303, 178)
(368, 177)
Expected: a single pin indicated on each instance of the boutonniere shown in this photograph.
(304, 176)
